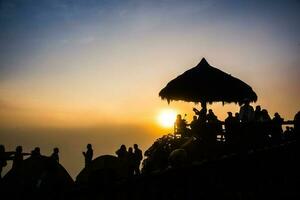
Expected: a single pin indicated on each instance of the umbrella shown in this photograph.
(205, 83)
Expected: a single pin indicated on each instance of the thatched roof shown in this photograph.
(205, 83)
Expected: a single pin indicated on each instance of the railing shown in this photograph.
(220, 136)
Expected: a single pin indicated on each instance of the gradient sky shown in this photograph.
(101, 63)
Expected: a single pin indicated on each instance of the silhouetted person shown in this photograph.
(88, 155)
(202, 113)
(3, 157)
(211, 117)
(18, 158)
(138, 157)
(229, 128)
(130, 161)
(201, 128)
(237, 116)
(246, 115)
(297, 125)
(277, 128)
(257, 114)
(214, 127)
(122, 153)
(55, 155)
(237, 135)
(194, 125)
(246, 112)
(36, 152)
(258, 134)
(287, 134)
(265, 116)
(180, 126)
(265, 125)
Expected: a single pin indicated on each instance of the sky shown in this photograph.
(90, 70)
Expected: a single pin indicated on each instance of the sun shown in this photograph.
(166, 118)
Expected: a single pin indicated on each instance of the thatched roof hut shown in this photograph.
(205, 83)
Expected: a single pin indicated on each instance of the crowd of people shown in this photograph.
(206, 137)
(249, 128)
(253, 126)
(17, 156)
(132, 158)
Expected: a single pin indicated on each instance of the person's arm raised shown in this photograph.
(196, 111)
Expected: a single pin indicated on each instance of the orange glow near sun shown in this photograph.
(166, 118)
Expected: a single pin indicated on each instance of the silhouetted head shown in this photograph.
(276, 114)
(88, 146)
(194, 117)
(55, 150)
(135, 146)
(264, 111)
(19, 149)
(297, 116)
(130, 150)
(210, 111)
(123, 147)
(36, 152)
(258, 108)
(237, 114)
(229, 114)
(179, 116)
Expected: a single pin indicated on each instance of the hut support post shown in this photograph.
(203, 104)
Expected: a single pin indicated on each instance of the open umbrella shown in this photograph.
(205, 83)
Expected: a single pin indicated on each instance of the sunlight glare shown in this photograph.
(166, 118)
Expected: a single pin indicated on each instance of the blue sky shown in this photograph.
(55, 53)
